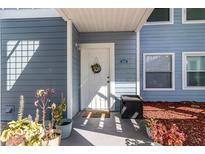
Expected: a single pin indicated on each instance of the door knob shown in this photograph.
(108, 81)
(108, 77)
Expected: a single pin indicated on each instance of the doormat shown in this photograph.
(95, 114)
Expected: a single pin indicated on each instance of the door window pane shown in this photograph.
(159, 14)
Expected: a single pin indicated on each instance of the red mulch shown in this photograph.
(188, 116)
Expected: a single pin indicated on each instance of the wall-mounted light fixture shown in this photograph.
(77, 46)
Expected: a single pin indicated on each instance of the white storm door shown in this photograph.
(95, 87)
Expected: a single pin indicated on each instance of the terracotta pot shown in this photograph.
(53, 142)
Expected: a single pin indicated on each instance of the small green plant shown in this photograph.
(23, 132)
(21, 107)
(37, 116)
(57, 111)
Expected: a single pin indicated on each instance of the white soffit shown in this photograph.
(106, 19)
(28, 13)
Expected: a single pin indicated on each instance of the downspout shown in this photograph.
(138, 63)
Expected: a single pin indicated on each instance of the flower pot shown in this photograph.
(66, 128)
(52, 142)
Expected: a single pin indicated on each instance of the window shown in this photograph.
(193, 15)
(159, 71)
(160, 16)
(194, 70)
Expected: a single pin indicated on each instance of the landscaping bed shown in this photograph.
(188, 116)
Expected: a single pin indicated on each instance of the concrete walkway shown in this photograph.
(112, 131)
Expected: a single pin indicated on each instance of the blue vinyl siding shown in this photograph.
(76, 73)
(176, 38)
(125, 48)
(46, 67)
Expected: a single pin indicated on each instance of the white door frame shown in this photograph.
(110, 46)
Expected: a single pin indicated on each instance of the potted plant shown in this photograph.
(43, 101)
(65, 125)
(23, 131)
(26, 132)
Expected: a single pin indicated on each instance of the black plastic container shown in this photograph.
(131, 107)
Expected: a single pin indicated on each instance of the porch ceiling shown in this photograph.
(106, 19)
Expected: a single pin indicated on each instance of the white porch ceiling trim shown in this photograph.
(144, 18)
(106, 19)
(28, 13)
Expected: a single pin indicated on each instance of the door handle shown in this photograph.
(108, 81)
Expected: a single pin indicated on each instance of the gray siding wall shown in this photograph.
(33, 57)
(125, 48)
(176, 38)
(76, 73)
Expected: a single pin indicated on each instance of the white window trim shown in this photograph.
(173, 72)
(171, 21)
(185, 21)
(184, 73)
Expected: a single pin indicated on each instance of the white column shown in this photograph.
(138, 63)
(0, 78)
(69, 69)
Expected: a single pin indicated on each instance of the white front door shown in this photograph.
(96, 87)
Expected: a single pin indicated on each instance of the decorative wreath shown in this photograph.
(96, 68)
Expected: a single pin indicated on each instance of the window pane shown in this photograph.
(161, 14)
(196, 79)
(195, 13)
(196, 63)
(159, 80)
(158, 63)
